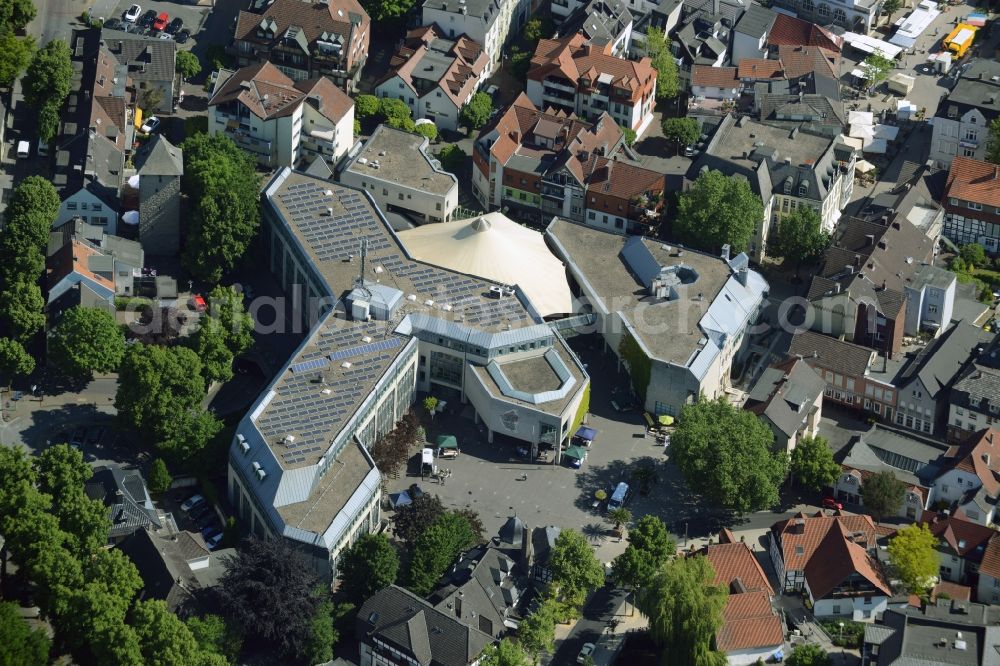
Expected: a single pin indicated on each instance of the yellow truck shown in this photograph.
(960, 39)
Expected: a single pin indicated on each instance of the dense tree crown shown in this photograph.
(727, 455)
(685, 612)
(477, 112)
(14, 361)
(882, 494)
(682, 131)
(222, 183)
(368, 566)
(812, 465)
(667, 79)
(649, 548)
(46, 85)
(914, 558)
(799, 236)
(436, 548)
(85, 341)
(718, 210)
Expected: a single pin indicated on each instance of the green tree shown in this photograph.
(160, 391)
(882, 493)
(381, 10)
(668, 84)
(682, 131)
(214, 635)
(914, 559)
(428, 130)
(890, 7)
(973, 254)
(536, 28)
(85, 341)
(505, 653)
(34, 205)
(15, 15)
(452, 158)
(366, 106)
(993, 142)
(20, 645)
(159, 477)
(726, 454)
(619, 518)
(685, 612)
(402, 123)
(166, 640)
(221, 179)
(187, 64)
(575, 568)
(410, 520)
(809, 654)
(389, 108)
(629, 135)
(436, 548)
(319, 647)
(23, 308)
(799, 237)
(15, 55)
(368, 566)
(209, 341)
(717, 210)
(536, 633)
(876, 68)
(225, 305)
(649, 548)
(477, 112)
(46, 84)
(812, 463)
(430, 404)
(14, 361)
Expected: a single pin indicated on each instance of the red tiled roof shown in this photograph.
(748, 621)
(953, 590)
(798, 548)
(991, 558)
(837, 557)
(760, 68)
(468, 62)
(979, 455)
(268, 93)
(733, 561)
(973, 180)
(962, 536)
(73, 257)
(714, 77)
(799, 60)
(570, 58)
(313, 18)
(796, 32)
(622, 180)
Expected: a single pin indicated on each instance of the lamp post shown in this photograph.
(841, 625)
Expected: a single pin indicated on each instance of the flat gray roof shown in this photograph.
(741, 139)
(669, 329)
(402, 159)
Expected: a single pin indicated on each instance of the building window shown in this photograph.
(953, 201)
(968, 152)
(975, 206)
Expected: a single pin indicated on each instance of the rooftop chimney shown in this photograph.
(725, 252)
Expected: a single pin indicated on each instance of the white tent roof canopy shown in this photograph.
(871, 45)
(495, 248)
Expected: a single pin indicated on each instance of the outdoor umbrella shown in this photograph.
(447, 442)
(575, 452)
(399, 499)
(586, 432)
(666, 419)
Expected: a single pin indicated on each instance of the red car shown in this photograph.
(161, 21)
(830, 503)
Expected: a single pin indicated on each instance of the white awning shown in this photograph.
(862, 131)
(863, 166)
(860, 118)
(871, 45)
(876, 146)
(133, 181)
(855, 143)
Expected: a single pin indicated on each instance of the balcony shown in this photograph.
(263, 150)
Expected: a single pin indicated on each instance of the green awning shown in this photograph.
(577, 452)
(666, 419)
(447, 442)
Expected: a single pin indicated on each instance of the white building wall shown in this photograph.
(715, 92)
(962, 135)
(954, 484)
(746, 657)
(746, 46)
(851, 608)
(988, 589)
(85, 204)
(428, 205)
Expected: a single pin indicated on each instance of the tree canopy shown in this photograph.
(882, 494)
(452, 158)
(798, 236)
(14, 360)
(160, 390)
(15, 15)
(410, 520)
(993, 142)
(809, 654)
(649, 548)
(914, 558)
(46, 84)
(15, 55)
(221, 180)
(380, 10)
(575, 569)
(368, 566)
(428, 130)
(187, 64)
(271, 592)
(717, 210)
(536, 633)
(505, 653)
(726, 454)
(812, 464)
(477, 112)
(34, 205)
(877, 68)
(23, 309)
(682, 131)
(436, 548)
(973, 254)
(86, 340)
(365, 106)
(668, 83)
(20, 645)
(685, 612)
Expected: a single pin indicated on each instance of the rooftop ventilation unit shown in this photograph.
(326, 391)
(328, 193)
(366, 338)
(346, 365)
(244, 444)
(429, 302)
(261, 474)
(288, 440)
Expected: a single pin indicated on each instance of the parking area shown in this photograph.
(192, 16)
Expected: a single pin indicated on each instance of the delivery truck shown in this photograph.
(960, 39)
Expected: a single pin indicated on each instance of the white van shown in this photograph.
(23, 149)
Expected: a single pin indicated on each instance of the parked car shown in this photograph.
(192, 502)
(416, 491)
(23, 150)
(114, 24)
(161, 21)
(830, 503)
(43, 148)
(182, 36)
(79, 436)
(175, 25)
(211, 528)
(213, 541)
(586, 651)
(147, 18)
(151, 125)
(164, 35)
(202, 512)
(211, 533)
(131, 14)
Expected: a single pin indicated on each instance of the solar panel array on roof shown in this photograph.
(333, 224)
(381, 345)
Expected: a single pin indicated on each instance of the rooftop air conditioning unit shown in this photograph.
(288, 440)
(326, 391)
(346, 365)
(366, 338)
(261, 474)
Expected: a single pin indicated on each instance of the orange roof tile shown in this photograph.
(980, 455)
(962, 536)
(973, 180)
(570, 58)
(796, 32)
(799, 60)
(953, 590)
(799, 542)
(714, 77)
(760, 68)
(991, 558)
(837, 557)
(733, 561)
(73, 257)
(749, 621)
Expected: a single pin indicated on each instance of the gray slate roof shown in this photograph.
(788, 394)
(124, 493)
(824, 351)
(937, 364)
(149, 59)
(912, 637)
(159, 157)
(411, 625)
(756, 21)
